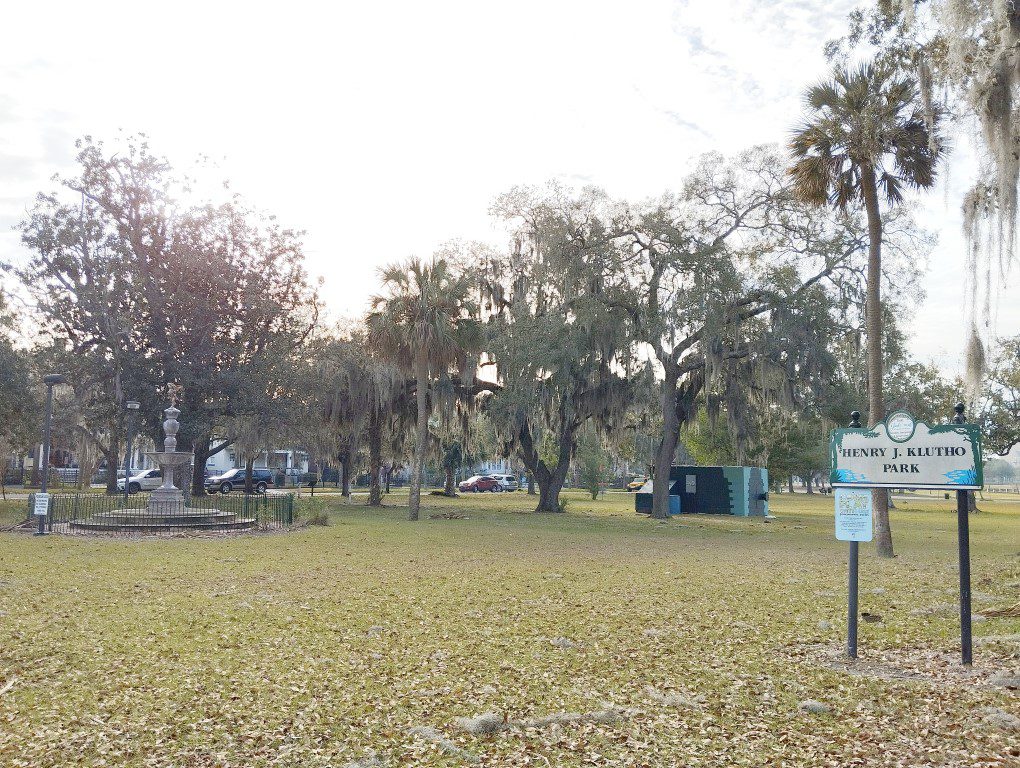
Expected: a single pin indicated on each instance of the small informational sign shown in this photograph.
(904, 453)
(853, 514)
(42, 504)
(692, 484)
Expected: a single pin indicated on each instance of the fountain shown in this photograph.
(168, 499)
(167, 508)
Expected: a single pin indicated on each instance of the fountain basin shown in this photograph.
(142, 521)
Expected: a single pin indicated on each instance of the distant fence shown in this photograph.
(1002, 487)
(58, 477)
(83, 513)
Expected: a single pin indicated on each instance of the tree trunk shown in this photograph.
(111, 467)
(531, 484)
(667, 446)
(448, 488)
(249, 468)
(35, 467)
(558, 475)
(807, 484)
(345, 474)
(972, 502)
(549, 495)
(421, 434)
(201, 449)
(789, 483)
(550, 482)
(678, 406)
(876, 407)
(389, 475)
(374, 459)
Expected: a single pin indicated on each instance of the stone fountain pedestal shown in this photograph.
(168, 498)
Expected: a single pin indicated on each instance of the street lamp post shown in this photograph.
(132, 406)
(50, 380)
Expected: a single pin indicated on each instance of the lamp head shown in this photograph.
(132, 405)
(51, 379)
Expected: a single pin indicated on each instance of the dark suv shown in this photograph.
(234, 478)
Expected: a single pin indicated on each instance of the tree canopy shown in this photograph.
(138, 290)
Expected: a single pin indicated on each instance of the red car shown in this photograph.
(479, 483)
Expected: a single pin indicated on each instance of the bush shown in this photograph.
(593, 465)
(318, 518)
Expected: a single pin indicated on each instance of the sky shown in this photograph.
(384, 129)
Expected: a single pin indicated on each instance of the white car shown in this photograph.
(507, 482)
(146, 480)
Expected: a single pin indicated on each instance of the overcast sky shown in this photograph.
(385, 128)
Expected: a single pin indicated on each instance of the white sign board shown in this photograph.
(42, 504)
(853, 514)
(691, 484)
(902, 453)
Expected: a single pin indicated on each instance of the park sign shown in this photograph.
(41, 506)
(903, 453)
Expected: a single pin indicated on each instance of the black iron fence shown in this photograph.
(82, 513)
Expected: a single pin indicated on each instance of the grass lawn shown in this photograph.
(600, 637)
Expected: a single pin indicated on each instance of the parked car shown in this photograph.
(507, 482)
(636, 483)
(146, 480)
(261, 479)
(479, 483)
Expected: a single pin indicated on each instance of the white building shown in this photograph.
(290, 461)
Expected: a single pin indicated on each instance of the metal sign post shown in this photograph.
(963, 542)
(851, 603)
(901, 452)
(853, 524)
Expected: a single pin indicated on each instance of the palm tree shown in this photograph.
(357, 393)
(867, 136)
(424, 324)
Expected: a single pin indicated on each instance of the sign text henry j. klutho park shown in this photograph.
(903, 453)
